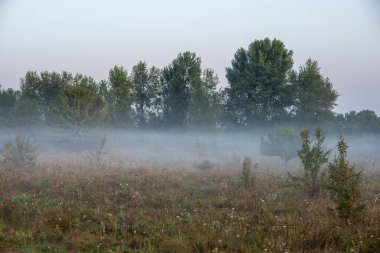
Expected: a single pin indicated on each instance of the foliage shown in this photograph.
(120, 97)
(148, 94)
(205, 102)
(8, 102)
(258, 91)
(180, 77)
(314, 96)
(246, 172)
(283, 143)
(364, 121)
(263, 90)
(19, 153)
(78, 107)
(312, 155)
(344, 183)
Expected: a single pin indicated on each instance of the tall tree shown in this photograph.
(147, 93)
(77, 107)
(258, 89)
(365, 121)
(120, 97)
(205, 102)
(182, 74)
(8, 102)
(314, 95)
(46, 86)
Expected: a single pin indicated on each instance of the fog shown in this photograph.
(165, 149)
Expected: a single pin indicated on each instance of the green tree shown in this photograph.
(313, 155)
(344, 183)
(365, 121)
(283, 143)
(258, 89)
(179, 78)
(78, 107)
(120, 97)
(314, 96)
(28, 112)
(205, 102)
(42, 90)
(148, 93)
(8, 102)
(45, 87)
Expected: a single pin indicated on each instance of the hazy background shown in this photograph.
(90, 37)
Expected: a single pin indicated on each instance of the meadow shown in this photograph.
(76, 203)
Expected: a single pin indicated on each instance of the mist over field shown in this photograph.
(189, 126)
(171, 149)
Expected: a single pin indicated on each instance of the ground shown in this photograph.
(148, 209)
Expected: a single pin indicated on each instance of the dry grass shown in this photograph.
(78, 209)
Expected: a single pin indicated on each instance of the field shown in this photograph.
(176, 200)
(164, 210)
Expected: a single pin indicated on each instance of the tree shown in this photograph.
(205, 102)
(120, 97)
(344, 183)
(142, 94)
(283, 143)
(8, 102)
(42, 90)
(313, 155)
(78, 107)
(365, 121)
(314, 96)
(148, 93)
(45, 87)
(179, 78)
(258, 89)
(28, 112)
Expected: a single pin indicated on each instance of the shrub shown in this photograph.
(344, 183)
(246, 174)
(313, 155)
(205, 165)
(97, 156)
(19, 153)
(283, 143)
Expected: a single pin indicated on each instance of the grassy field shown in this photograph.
(146, 209)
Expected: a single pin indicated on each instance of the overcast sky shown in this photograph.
(90, 37)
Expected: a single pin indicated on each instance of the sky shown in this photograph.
(92, 36)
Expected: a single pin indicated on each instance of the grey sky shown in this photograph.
(90, 37)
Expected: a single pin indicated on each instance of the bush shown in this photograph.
(313, 155)
(246, 174)
(19, 153)
(282, 143)
(205, 165)
(344, 183)
(97, 156)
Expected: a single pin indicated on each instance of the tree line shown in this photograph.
(263, 90)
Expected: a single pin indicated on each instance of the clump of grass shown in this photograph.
(19, 153)
(344, 183)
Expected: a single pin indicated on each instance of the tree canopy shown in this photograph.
(263, 90)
